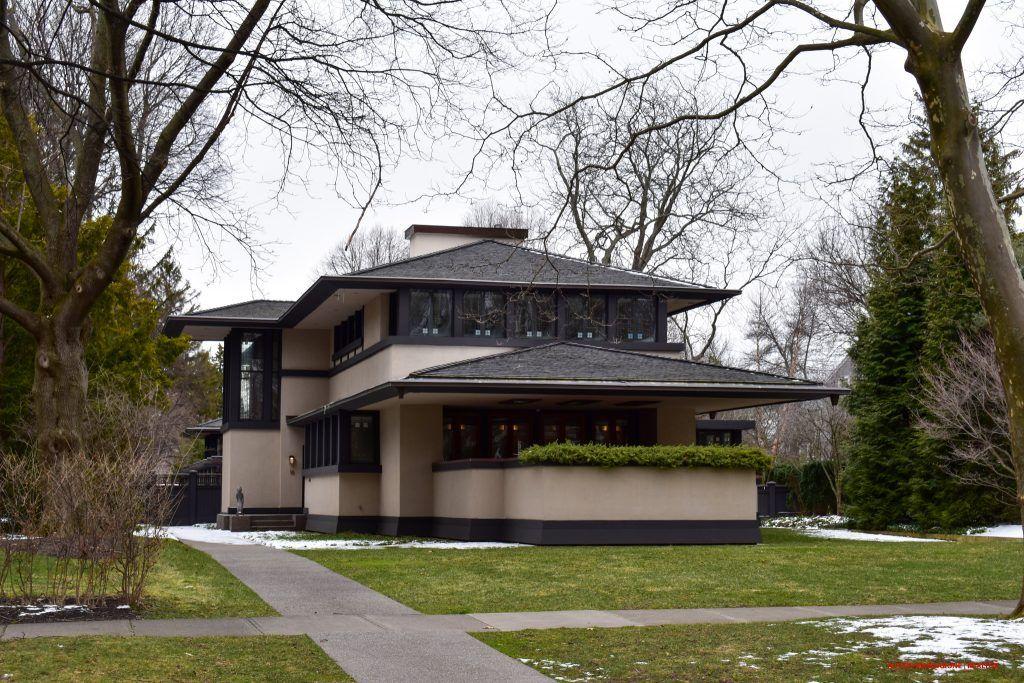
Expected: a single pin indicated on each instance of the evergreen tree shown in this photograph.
(917, 309)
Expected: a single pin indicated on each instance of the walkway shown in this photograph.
(375, 638)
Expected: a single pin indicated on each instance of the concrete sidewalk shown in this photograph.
(448, 625)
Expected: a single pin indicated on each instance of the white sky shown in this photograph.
(301, 224)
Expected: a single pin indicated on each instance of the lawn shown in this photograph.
(264, 658)
(188, 583)
(802, 651)
(788, 568)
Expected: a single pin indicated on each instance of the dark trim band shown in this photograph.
(548, 532)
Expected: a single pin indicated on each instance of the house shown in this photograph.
(395, 399)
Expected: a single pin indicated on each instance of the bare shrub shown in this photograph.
(85, 528)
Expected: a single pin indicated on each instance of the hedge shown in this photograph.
(600, 455)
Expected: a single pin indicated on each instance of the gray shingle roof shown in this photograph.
(580, 362)
(490, 261)
(257, 309)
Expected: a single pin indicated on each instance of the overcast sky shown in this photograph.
(299, 224)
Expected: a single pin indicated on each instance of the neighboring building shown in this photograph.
(209, 432)
(844, 373)
(395, 399)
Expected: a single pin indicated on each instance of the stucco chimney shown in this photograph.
(426, 239)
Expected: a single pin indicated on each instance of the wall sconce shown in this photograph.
(291, 461)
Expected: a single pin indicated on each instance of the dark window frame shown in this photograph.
(524, 297)
(600, 329)
(327, 442)
(469, 324)
(442, 331)
(271, 381)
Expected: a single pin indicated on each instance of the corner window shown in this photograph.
(534, 316)
(586, 317)
(341, 438)
(634, 319)
(253, 375)
(483, 314)
(430, 312)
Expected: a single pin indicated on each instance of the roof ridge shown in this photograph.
(238, 303)
(539, 252)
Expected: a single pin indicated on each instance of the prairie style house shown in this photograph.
(395, 399)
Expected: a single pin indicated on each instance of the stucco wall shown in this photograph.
(396, 362)
(470, 494)
(354, 494)
(252, 461)
(427, 243)
(629, 493)
(305, 349)
(677, 423)
(410, 441)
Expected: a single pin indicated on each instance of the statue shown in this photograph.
(239, 500)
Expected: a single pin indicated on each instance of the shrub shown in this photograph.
(600, 455)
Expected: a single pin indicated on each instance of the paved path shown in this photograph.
(449, 624)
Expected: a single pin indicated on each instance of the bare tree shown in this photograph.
(964, 406)
(368, 248)
(750, 47)
(494, 214)
(117, 111)
(683, 202)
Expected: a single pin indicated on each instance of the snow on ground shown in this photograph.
(805, 522)
(952, 639)
(830, 526)
(38, 610)
(289, 540)
(1000, 531)
(847, 535)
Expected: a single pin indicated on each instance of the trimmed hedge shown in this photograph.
(600, 455)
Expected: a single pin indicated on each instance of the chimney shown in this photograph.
(426, 239)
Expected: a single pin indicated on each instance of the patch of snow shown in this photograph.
(559, 670)
(805, 522)
(37, 610)
(966, 639)
(999, 531)
(289, 540)
(847, 535)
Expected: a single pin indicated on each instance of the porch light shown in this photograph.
(291, 460)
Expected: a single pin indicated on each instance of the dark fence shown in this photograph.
(772, 499)
(196, 497)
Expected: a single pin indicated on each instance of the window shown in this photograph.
(563, 427)
(613, 430)
(252, 369)
(509, 435)
(348, 336)
(342, 438)
(430, 312)
(483, 314)
(718, 437)
(535, 316)
(634, 319)
(586, 316)
(462, 436)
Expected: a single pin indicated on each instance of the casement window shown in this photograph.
(534, 315)
(634, 319)
(430, 312)
(483, 314)
(462, 436)
(563, 428)
(348, 337)
(509, 435)
(613, 430)
(341, 439)
(252, 376)
(587, 317)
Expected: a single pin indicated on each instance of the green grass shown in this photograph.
(787, 569)
(264, 658)
(724, 652)
(186, 582)
(189, 583)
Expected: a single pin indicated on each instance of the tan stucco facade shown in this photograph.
(349, 494)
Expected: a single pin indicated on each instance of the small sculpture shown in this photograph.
(239, 500)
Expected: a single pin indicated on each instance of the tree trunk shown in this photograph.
(59, 389)
(980, 225)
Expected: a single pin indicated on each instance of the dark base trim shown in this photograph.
(544, 532)
(267, 511)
